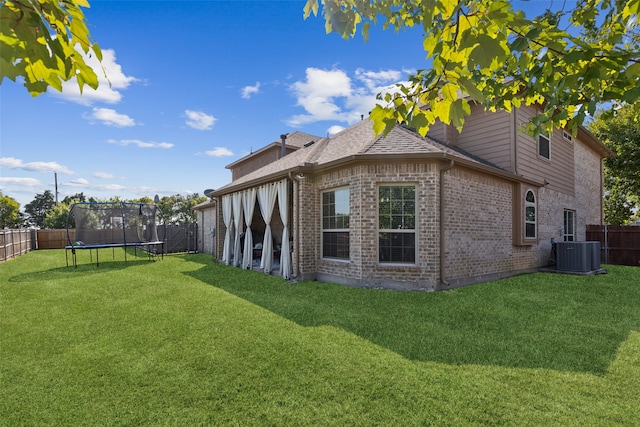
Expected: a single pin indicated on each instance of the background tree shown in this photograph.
(567, 61)
(76, 198)
(144, 199)
(10, 216)
(621, 133)
(56, 217)
(37, 209)
(178, 209)
(39, 40)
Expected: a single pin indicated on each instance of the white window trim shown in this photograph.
(547, 136)
(333, 230)
(401, 230)
(565, 232)
(533, 204)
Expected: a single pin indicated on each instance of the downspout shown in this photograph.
(443, 280)
(296, 225)
(514, 137)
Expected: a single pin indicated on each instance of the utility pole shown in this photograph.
(55, 174)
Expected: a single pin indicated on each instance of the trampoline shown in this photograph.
(113, 225)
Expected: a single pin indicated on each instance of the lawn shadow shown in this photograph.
(81, 270)
(546, 322)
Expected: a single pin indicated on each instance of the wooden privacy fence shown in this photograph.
(179, 237)
(14, 243)
(53, 239)
(619, 244)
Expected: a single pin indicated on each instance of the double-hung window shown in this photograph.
(544, 145)
(397, 224)
(569, 231)
(335, 224)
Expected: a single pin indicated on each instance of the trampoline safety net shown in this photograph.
(112, 223)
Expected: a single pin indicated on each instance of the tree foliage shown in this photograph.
(37, 209)
(621, 133)
(178, 209)
(9, 212)
(56, 217)
(567, 61)
(39, 40)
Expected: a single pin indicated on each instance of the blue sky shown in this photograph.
(195, 85)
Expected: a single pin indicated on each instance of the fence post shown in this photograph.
(606, 245)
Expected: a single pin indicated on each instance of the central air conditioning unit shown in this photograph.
(581, 257)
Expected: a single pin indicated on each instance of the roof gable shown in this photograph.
(295, 140)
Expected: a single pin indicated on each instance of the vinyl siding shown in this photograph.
(558, 170)
(488, 135)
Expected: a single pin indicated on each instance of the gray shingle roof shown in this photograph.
(359, 141)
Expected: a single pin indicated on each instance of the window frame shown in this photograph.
(547, 137)
(569, 235)
(401, 231)
(327, 231)
(527, 206)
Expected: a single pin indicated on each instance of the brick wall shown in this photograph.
(588, 189)
(363, 268)
(479, 226)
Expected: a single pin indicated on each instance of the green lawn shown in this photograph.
(184, 341)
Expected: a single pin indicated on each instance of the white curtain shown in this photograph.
(267, 199)
(237, 221)
(248, 204)
(285, 253)
(226, 218)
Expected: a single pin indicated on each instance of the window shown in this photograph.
(544, 145)
(569, 231)
(335, 224)
(397, 224)
(567, 136)
(530, 215)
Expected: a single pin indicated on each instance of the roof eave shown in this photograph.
(425, 156)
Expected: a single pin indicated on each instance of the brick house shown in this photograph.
(407, 212)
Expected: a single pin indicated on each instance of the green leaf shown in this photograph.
(459, 110)
(487, 52)
(310, 7)
(471, 89)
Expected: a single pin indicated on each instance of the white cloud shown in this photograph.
(13, 163)
(248, 91)
(199, 120)
(219, 152)
(80, 182)
(373, 80)
(111, 117)
(335, 129)
(23, 182)
(102, 175)
(111, 187)
(109, 86)
(140, 144)
(333, 95)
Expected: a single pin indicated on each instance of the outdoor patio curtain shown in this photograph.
(227, 219)
(248, 205)
(267, 199)
(285, 253)
(242, 203)
(236, 200)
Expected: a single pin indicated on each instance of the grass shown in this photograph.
(184, 341)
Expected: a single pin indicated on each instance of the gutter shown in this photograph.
(443, 280)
